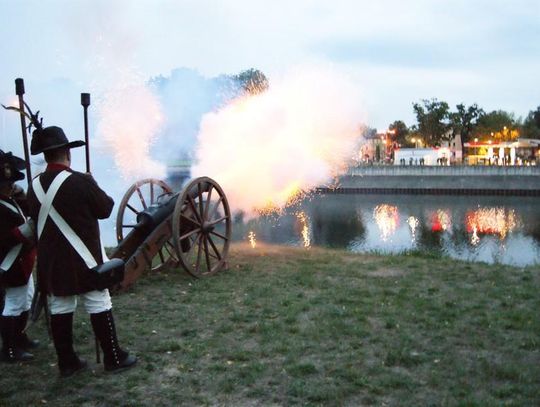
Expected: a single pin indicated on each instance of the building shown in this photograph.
(519, 152)
(422, 156)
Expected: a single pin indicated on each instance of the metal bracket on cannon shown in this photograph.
(157, 228)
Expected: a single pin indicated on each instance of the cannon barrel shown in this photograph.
(148, 220)
(152, 216)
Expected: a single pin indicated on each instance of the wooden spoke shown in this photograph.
(218, 220)
(190, 220)
(199, 193)
(188, 234)
(132, 209)
(213, 245)
(208, 200)
(199, 254)
(168, 249)
(216, 206)
(141, 198)
(194, 207)
(207, 254)
(219, 235)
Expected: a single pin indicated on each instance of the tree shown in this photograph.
(432, 118)
(400, 131)
(253, 81)
(367, 132)
(497, 125)
(464, 120)
(531, 125)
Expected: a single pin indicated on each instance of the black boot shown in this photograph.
(114, 357)
(62, 333)
(23, 341)
(10, 351)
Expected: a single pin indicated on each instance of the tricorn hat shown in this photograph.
(50, 138)
(11, 167)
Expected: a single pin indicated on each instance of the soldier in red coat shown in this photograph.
(65, 206)
(17, 255)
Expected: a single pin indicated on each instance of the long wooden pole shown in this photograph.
(19, 91)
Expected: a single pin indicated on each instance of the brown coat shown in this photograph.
(18, 273)
(80, 202)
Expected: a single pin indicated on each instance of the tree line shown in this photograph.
(437, 123)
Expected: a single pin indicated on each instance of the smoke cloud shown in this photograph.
(130, 119)
(264, 148)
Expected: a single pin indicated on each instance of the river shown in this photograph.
(492, 229)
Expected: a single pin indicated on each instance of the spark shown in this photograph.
(306, 233)
(252, 239)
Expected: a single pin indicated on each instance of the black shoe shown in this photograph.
(12, 355)
(27, 343)
(62, 333)
(114, 357)
(75, 366)
(23, 341)
(11, 352)
(126, 363)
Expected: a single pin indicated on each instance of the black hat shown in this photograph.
(50, 138)
(11, 167)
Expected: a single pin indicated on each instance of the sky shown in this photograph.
(392, 52)
(397, 52)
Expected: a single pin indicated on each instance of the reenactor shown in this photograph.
(17, 255)
(65, 206)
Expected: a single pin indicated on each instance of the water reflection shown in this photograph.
(413, 224)
(387, 218)
(490, 229)
(492, 221)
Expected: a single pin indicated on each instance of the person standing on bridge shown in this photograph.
(65, 206)
(17, 256)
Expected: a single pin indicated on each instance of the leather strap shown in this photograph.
(14, 252)
(10, 258)
(47, 210)
(15, 208)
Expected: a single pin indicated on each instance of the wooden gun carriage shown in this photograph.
(157, 228)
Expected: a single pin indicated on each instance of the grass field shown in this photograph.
(286, 326)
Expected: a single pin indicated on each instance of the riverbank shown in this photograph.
(440, 180)
(286, 326)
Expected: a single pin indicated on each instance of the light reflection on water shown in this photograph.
(476, 228)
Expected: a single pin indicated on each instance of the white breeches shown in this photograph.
(94, 302)
(18, 299)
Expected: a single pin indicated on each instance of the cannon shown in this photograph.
(157, 228)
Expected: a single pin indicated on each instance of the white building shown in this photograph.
(422, 156)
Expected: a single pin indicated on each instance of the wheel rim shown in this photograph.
(202, 227)
(138, 197)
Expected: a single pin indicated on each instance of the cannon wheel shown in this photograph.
(138, 197)
(202, 227)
